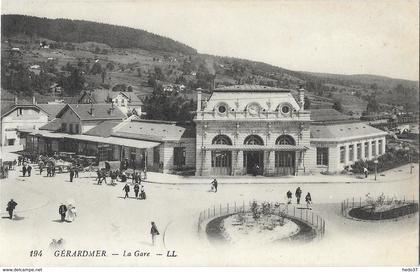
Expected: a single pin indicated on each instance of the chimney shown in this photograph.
(301, 97)
(16, 100)
(33, 100)
(198, 101)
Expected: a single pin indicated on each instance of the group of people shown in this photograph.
(26, 169)
(138, 191)
(298, 195)
(214, 185)
(67, 212)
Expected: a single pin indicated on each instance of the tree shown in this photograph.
(160, 106)
(373, 105)
(337, 106)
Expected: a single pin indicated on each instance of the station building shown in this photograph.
(245, 129)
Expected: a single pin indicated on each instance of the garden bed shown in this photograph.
(383, 212)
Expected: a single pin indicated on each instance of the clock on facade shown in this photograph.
(253, 109)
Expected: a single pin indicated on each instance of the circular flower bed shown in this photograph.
(244, 228)
(385, 211)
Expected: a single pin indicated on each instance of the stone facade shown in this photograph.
(252, 120)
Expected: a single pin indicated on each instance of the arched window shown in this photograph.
(253, 140)
(285, 140)
(222, 140)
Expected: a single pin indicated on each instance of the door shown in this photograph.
(285, 163)
(221, 163)
(254, 162)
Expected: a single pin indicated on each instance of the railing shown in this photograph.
(357, 202)
(281, 209)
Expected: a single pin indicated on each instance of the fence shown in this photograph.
(357, 202)
(281, 209)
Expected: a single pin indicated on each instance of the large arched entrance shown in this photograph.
(254, 159)
(285, 160)
(221, 160)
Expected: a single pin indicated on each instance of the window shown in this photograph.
(179, 156)
(380, 147)
(63, 127)
(373, 143)
(285, 140)
(70, 128)
(351, 152)
(366, 149)
(285, 109)
(322, 156)
(19, 112)
(11, 142)
(76, 128)
(359, 151)
(342, 154)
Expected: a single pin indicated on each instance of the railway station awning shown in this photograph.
(255, 148)
(114, 141)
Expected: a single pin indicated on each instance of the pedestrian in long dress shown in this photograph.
(24, 170)
(298, 194)
(127, 190)
(62, 211)
(71, 213)
(41, 167)
(142, 193)
(10, 207)
(214, 184)
(308, 200)
(154, 231)
(289, 197)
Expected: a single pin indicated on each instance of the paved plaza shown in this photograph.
(107, 221)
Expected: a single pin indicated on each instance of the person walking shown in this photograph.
(136, 190)
(71, 174)
(62, 211)
(6, 171)
(214, 185)
(29, 169)
(76, 171)
(142, 193)
(127, 190)
(154, 231)
(10, 207)
(71, 213)
(289, 197)
(308, 200)
(298, 194)
(41, 167)
(24, 170)
(365, 171)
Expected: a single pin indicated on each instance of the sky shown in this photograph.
(330, 36)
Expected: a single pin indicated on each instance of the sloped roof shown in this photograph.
(8, 108)
(54, 125)
(341, 132)
(98, 95)
(249, 88)
(152, 131)
(104, 129)
(134, 99)
(52, 109)
(100, 112)
(324, 115)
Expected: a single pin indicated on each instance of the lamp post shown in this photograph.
(376, 167)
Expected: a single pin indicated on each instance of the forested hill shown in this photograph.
(64, 30)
